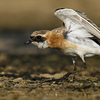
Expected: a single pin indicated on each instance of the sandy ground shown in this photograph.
(27, 77)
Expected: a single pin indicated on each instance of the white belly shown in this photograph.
(82, 50)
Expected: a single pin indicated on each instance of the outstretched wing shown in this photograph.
(77, 19)
(78, 27)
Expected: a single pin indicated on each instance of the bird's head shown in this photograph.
(39, 39)
(46, 38)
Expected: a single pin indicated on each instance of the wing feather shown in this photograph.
(82, 14)
(79, 29)
(77, 20)
(89, 26)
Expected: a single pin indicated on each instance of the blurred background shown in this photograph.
(19, 18)
(25, 69)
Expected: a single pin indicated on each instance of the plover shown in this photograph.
(79, 36)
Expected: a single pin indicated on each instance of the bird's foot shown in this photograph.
(70, 75)
(66, 76)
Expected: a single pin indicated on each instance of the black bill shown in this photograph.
(28, 42)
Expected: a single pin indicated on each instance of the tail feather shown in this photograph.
(98, 52)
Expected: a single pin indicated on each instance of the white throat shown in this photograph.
(41, 45)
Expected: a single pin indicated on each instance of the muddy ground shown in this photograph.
(36, 77)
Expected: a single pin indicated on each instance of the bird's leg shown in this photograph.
(69, 73)
(75, 69)
(66, 75)
(74, 63)
(85, 66)
(82, 57)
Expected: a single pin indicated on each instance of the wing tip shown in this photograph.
(59, 9)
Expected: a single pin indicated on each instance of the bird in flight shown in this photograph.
(79, 36)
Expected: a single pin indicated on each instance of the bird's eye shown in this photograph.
(38, 37)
